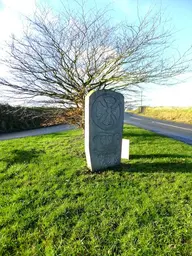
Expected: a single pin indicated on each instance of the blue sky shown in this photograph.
(177, 11)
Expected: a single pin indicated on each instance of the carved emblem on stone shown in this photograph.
(106, 142)
(106, 112)
(108, 159)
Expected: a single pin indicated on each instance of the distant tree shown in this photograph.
(64, 56)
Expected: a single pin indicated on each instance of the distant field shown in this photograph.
(51, 204)
(183, 115)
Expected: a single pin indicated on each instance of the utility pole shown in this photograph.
(141, 100)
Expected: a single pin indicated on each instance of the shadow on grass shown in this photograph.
(155, 167)
(21, 156)
(144, 137)
(155, 156)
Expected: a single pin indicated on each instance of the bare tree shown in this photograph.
(64, 56)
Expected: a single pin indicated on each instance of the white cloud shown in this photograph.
(11, 24)
(176, 95)
(11, 20)
(20, 6)
(11, 16)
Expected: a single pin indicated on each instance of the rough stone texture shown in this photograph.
(104, 114)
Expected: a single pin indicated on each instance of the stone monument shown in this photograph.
(104, 115)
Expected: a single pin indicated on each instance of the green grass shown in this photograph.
(50, 204)
(175, 114)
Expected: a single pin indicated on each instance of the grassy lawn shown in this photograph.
(50, 204)
(183, 115)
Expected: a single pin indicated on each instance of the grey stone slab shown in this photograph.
(104, 114)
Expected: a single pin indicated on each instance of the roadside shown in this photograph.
(178, 131)
(35, 132)
(182, 132)
(181, 115)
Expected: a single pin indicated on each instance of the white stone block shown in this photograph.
(125, 149)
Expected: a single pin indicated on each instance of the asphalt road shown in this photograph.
(178, 131)
(35, 132)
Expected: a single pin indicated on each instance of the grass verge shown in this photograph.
(183, 115)
(50, 204)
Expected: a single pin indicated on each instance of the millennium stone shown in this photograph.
(104, 115)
